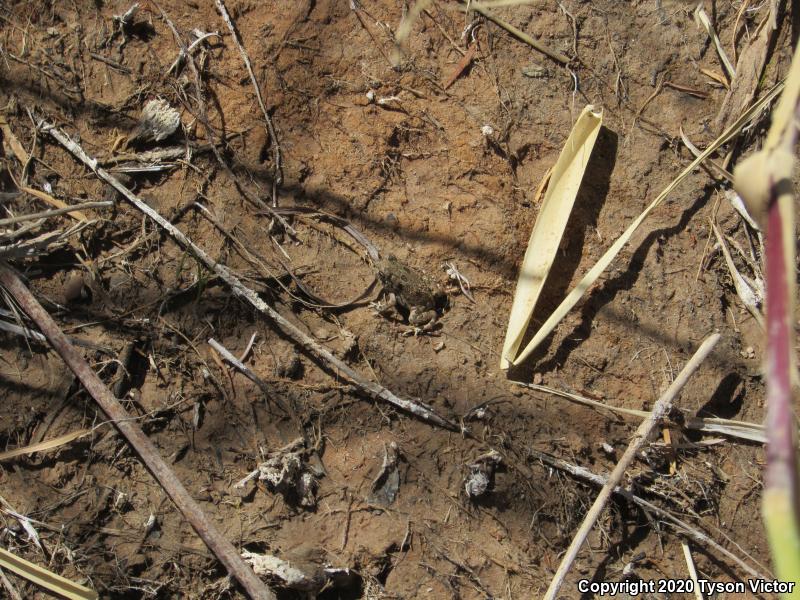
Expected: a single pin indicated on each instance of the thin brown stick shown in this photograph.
(59, 81)
(111, 63)
(262, 385)
(36, 336)
(46, 214)
(51, 200)
(356, 9)
(660, 410)
(276, 149)
(221, 547)
(737, 429)
(517, 33)
(201, 108)
(373, 390)
(584, 474)
(45, 242)
(169, 153)
(461, 66)
(12, 591)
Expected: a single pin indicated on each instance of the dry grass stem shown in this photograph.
(661, 409)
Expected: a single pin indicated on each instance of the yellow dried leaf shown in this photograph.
(565, 180)
(44, 446)
(44, 578)
(602, 264)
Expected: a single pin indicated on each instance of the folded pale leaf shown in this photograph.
(45, 578)
(566, 178)
(574, 296)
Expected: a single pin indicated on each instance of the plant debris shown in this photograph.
(481, 474)
(158, 121)
(204, 203)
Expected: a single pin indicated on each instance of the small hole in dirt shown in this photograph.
(142, 30)
(258, 548)
(264, 152)
(726, 401)
(352, 590)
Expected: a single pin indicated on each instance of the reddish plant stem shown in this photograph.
(781, 469)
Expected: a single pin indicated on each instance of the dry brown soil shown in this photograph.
(416, 175)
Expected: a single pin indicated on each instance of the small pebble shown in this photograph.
(75, 288)
(438, 347)
(244, 490)
(537, 378)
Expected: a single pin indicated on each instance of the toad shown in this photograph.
(409, 292)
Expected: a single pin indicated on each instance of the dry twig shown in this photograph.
(46, 242)
(737, 429)
(12, 591)
(46, 214)
(262, 385)
(749, 69)
(36, 336)
(276, 149)
(201, 107)
(599, 480)
(517, 33)
(584, 474)
(661, 409)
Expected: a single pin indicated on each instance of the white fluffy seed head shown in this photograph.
(159, 120)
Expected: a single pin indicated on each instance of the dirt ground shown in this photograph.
(432, 176)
